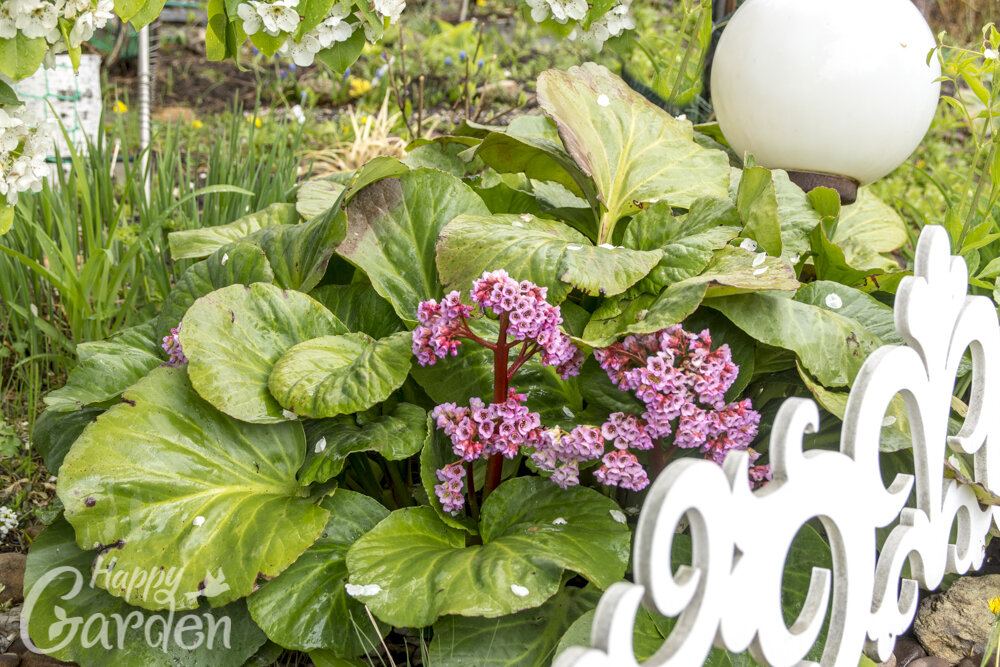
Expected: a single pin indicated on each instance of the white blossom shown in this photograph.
(251, 19)
(302, 52)
(991, 54)
(390, 9)
(8, 21)
(279, 16)
(37, 19)
(8, 520)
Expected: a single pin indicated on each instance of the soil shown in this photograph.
(182, 77)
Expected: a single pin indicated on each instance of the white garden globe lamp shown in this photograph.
(836, 92)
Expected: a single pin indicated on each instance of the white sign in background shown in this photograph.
(75, 99)
(730, 595)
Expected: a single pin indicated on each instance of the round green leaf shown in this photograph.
(831, 346)
(325, 616)
(233, 337)
(526, 639)
(336, 375)
(411, 568)
(171, 482)
(395, 436)
(56, 565)
(234, 264)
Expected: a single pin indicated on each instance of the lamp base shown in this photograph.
(847, 188)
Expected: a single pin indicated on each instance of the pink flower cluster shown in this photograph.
(485, 430)
(172, 346)
(481, 431)
(682, 382)
(530, 318)
(562, 453)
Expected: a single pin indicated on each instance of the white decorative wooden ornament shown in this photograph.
(730, 596)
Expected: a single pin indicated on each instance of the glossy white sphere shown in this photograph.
(839, 87)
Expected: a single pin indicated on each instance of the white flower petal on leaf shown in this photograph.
(519, 591)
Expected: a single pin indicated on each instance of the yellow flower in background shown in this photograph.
(197, 124)
(995, 605)
(480, 3)
(358, 87)
(120, 107)
(255, 120)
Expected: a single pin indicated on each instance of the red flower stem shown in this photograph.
(658, 459)
(526, 353)
(467, 333)
(501, 354)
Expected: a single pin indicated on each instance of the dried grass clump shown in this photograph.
(372, 138)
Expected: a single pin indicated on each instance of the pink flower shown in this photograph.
(449, 492)
(172, 346)
(622, 469)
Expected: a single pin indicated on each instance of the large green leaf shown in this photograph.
(635, 152)
(55, 432)
(172, 483)
(233, 337)
(411, 568)
(875, 316)
(336, 375)
(359, 307)
(831, 346)
(298, 254)
(108, 367)
(222, 637)
(323, 615)
(203, 242)
(392, 226)
(396, 435)
(234, 264)
(526, 639)
(545, 252)
(688, 242)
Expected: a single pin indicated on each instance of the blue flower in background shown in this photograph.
(292, 67)
(479, 65)
(447, 60)
(347, 73)
(461, 56)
